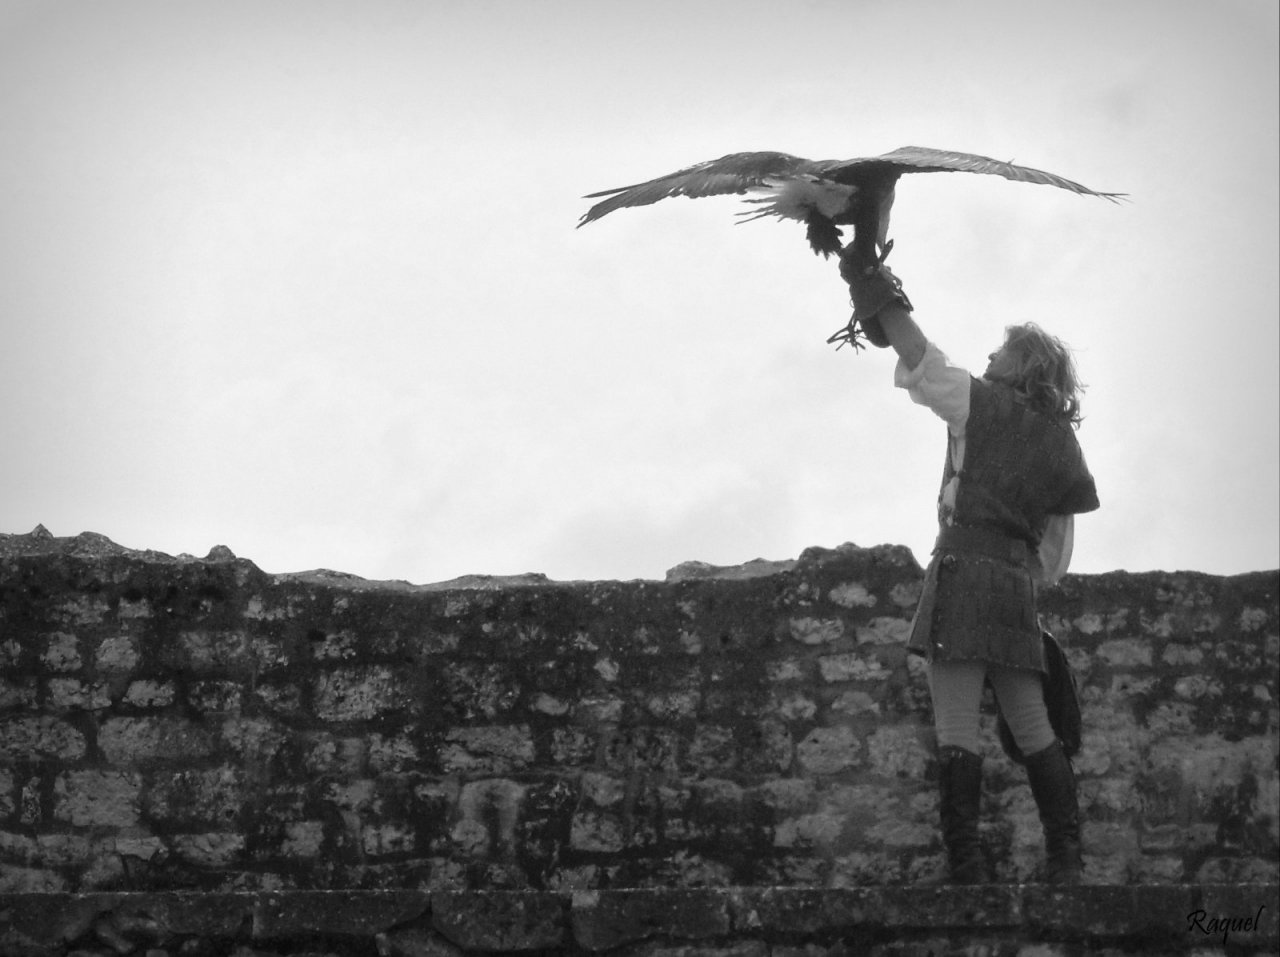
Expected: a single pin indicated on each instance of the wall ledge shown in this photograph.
(730, 922)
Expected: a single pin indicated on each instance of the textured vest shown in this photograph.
(1020, 466)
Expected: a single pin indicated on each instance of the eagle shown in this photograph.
(822, 194)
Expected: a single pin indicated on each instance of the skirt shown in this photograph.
(978, 602)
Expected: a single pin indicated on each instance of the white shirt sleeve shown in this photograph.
(1056, 546)
(938, 385)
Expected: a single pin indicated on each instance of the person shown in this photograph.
(1014, 477)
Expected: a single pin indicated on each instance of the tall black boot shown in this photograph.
(960, 784)
(1053, 783)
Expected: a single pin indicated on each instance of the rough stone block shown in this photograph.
(571, 746)
(388, 838)
(16, 879)
(68, 850)
(817, 631)
(885, 631)
(829, 750)
(481, 690)
(1126, 653)
(604, 921)
(852, 595)
(149, 693)
(360, 914)
(785, 669)
(645, 749)
(487, 750)
(389, 754)
(22, 738)
(817, 830)
(126, 742)
(257, 740)
(117, 655)
(597, 832)
(1160, 913)
(17, 694)
(76, 695)
(303, 839)
(864, 868)
(283, 699)
(713, 750)
(769, 749)
(785, 794)
(214, 849)
(897, 752)
(203, 651)
(498, 921)
(97, 798)
(61, 652)
(358, 693)
(7, 783)
(851, 667)
(672, 705)
(794, 705)
(215, 696)
(415, 942)
(198, 796)
(811, 911)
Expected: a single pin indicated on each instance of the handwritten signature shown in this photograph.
(1209, 926)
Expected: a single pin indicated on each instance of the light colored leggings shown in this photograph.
(956, 687)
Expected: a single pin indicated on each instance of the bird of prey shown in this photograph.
(822, 194)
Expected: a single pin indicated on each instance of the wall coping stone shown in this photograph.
(1150, 918)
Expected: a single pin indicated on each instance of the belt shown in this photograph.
(984, 542)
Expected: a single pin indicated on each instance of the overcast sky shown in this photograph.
(303, 278)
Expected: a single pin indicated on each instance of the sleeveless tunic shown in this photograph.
(1020, 466)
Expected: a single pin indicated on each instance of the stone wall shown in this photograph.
(197, 724)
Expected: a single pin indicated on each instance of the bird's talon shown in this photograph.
(850, 335)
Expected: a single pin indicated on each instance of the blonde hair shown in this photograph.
(1044, 371)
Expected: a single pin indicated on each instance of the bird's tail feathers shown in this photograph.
(799, 199)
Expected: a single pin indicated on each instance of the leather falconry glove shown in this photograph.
(872, 286)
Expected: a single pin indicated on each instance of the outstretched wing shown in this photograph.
(734, 173)
(922, 159)
(820, 193)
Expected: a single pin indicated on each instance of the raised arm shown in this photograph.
(880, 308)
(902, 332)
